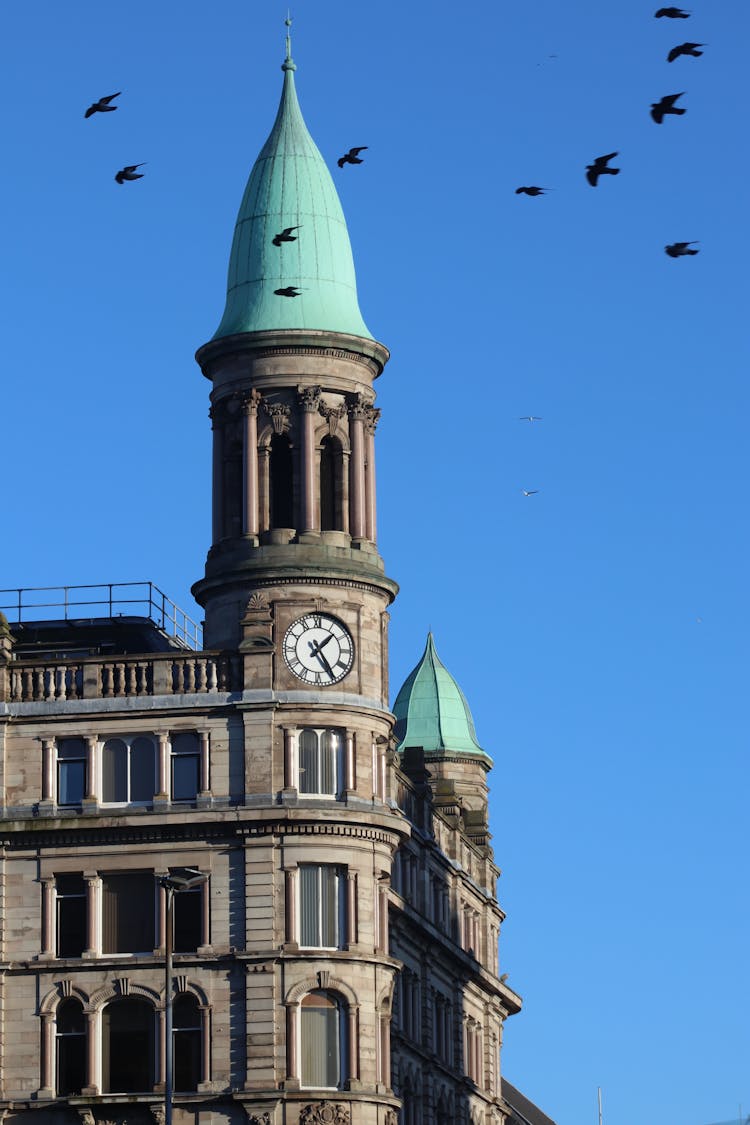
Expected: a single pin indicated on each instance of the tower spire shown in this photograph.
(288, 63)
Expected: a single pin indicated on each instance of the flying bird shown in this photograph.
(129, 173)
(290, 291)
(672, 14)
(685, 49)
(529, 491)
(599, 168)
(530, 418)
(103, 106)
(285, 236)
(666, 105)
(680, 249)
(531, 190)
(351, 157)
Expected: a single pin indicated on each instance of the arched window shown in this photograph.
(319, 761)
(70, 1043)
(186, 1030)
(282, 482)
(331, 484)
(322, 1040)
(128, 771)
(128, 1047)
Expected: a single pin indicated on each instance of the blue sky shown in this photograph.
(599, 628)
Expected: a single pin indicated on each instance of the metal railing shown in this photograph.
(109, 599)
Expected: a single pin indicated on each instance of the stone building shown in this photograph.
(338, 964)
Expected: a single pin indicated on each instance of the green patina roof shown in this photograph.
(431, 710)
(290, 186)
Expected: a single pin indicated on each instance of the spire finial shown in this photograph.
(288, 63)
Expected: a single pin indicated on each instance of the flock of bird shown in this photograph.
(659, 110)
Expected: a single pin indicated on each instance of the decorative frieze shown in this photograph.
(332, 415)
(324, 1113)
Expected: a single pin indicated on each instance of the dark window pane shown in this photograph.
(70, 1018)
(71, 779)
(187, 1043)
(128, 913)
(308, 893)
(329, 754)
(188, 920)
(71, 915)
(142, 770)
(308, 762)
(281, 482)
(128, 1047)
(320, 1041)
(185, 777)
(71, 1048)
(115, 771)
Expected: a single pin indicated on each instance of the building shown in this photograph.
(335, 957)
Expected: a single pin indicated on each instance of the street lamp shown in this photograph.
(179, 879)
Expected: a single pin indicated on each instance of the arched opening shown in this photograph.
(322, 1039)
(331, 484)
(70, 1043)
(186, 1029)
(128, 1047)
(232, 482)
(281, 482)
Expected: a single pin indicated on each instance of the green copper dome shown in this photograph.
(290, 186)
(431, 710)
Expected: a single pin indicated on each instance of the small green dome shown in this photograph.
(431, 710)
(290, 186)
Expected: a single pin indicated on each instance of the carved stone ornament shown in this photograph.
(122, 984)
(358, 407)
(251, 401)
(391, 1117)
(181, 981)
(309, 398)
(66, 988)
(87, 1117)
(258, 1118)
(158, 1112)
(332, 415)
(279, 413)
(372, 417)
(324, 1113)
(257, 601)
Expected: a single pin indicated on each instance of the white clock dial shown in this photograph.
(318, 649)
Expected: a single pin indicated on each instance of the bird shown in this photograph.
(504, 977)
(672, 14)
(531, 190)
(666, 105)
(103, 106)
(530, 418)
(599, 168)
(680, 249)
(351, 157)
(129, 173)
(289, 291)
(285, 236)
(685, 49)
(529, 491)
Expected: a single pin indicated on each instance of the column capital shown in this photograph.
(372, 417)
(358, 406)
(332, 415)
(251, 401)
(279, 413)
(309, 399)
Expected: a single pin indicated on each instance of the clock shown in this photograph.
(318, 649)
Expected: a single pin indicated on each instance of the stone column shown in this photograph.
(205, 1045)
(91, 795)
(350, 773)
(352, 936)
(386, 1063)
(48, 916)
(48, 769)
(292, 1053)
(162, 1046)
(371, 421)
(290, 774)
(357, 414)
(291, 936)
(205, 770)
(163, 767)
(217, 497)
(264, 487)
(250, 493)
(93, 1054)
(354, 1043)
(309, 404)
(93, 910)
(162, 912)
(48, 1056)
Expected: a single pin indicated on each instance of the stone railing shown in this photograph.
(169, 673)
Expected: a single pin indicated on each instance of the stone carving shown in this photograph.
(122, 984)
(323, 978)
(258, 1118)
(251, 401)
(181, 981)
(372, 417)
(279, 413)
(391, 1117)
(257, 601)
(324, 1113)
(66, 988)
(332, 415)
(309, 398)
(358, 407)
(87, 1117)
(158, 1112)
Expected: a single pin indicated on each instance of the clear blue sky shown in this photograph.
(599, 628)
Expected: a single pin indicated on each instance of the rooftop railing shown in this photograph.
(107, 600)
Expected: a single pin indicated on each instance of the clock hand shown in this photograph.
(315, 648)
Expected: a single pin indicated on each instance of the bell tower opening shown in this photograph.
(281, 482)
(331, 485)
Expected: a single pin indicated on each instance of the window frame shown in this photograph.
(337, 766)
(61, 762)
(342, 1043)
(177, 755)
(340, 908)
(128, 740)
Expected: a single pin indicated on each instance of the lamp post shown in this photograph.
(179, 879)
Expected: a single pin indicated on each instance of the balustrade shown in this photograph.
(124, 676)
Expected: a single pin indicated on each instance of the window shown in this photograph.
(281, 482)
(320, 761)
(322, 903)
(187, 914)
(186, 1030)
(331, 484)
(128, 1047)
(322, 1041)
(443, 1028)
(71, 771)
(70, 1048)
(128, 771)
(128, 913)
(409, 1004)
(473, 1050)
(185, 766)
(72, 914)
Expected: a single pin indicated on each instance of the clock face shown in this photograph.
(318, 649)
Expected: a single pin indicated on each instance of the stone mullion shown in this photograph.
(357, 413)
(49, 899)
(217, 482)
(370, 483)
(250, 491)
(93, 1054)
(205, 764)
(309, 402)
(93, 911)
(48, 769)
(48, 1055)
